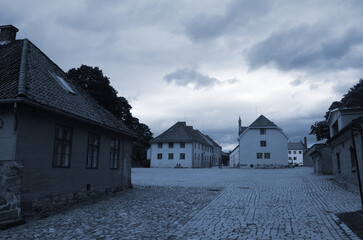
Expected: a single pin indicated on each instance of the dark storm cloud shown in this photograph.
(308, 48)
(186, 76)
(237, 14)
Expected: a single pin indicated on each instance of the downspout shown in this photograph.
(357, 164)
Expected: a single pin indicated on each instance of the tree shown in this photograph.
(354, 98)
(98, 86)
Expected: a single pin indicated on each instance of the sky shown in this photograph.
(207, 62)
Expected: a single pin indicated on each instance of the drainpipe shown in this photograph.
(357, 164)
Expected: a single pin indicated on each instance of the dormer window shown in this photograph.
(63, 83)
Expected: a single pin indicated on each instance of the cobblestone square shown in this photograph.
(208, 204)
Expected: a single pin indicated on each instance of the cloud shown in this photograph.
(236, 15)
(298, 81)
(190, 76)
(308, 47)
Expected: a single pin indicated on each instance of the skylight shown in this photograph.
(63, 83)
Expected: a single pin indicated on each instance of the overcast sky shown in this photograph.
(207, 61)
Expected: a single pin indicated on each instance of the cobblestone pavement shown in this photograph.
(208, 204)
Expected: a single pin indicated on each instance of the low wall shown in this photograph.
(10, 192)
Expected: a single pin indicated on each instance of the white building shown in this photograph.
(181, 146)
(296, 153)
(262, 144)
(234, 157)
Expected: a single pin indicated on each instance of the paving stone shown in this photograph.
(208, 204)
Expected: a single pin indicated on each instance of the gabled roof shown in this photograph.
(295, 146)
(214, 143)
(27, 75)
(262, 122)
(180, 132)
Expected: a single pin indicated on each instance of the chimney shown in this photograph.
(8, 33)
(305, 143)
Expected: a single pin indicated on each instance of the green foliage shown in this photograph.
(98, 86)
(354, 98)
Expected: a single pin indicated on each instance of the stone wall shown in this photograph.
(10, 192)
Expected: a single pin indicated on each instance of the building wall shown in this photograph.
(341, 145)
(298, 154)
(322, 160)
(176, 150)
(276, 145)
(7, 133)
(234, 158)
(307, 160)
(43, 183)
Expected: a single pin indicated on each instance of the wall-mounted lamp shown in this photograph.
(1, 123)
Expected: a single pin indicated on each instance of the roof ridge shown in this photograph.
(22, 73)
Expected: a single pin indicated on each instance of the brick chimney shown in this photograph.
(8, 33)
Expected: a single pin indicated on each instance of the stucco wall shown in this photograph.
(7, 133)
(176, 150)
(276, 145)
(298, 154)
(42, 183)
(234, 158)
(341, 145)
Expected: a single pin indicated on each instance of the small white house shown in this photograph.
(182, 146)
(262, 144)
(296, 153)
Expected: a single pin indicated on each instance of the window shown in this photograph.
(171, 156)
(160, 145)
(160, 156)
(182, 156)
(259, 155)
(62, 146)
(182, 145)
(289, 152)
(92, 150)
(352, 158)
(171, 145)
(294, 158)
(114, 153)
(290, 158)
(294, 152)
(267, 155)
(338, 162)
(263, 143)
(62, 82)
(299, 152)
(262, 131)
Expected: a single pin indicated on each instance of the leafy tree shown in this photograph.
(354, 98)
(98, 86)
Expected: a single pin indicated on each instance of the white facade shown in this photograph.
(234, 157)
(253, 152)
(163, 150)
(296, 156)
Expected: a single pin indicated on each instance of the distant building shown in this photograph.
(296, 153)
(344, 124)
(217, 152)
(262, 144)
(183, 146)
(320, 154)
(234, 157)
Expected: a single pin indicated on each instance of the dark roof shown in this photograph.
(180, 132)
(214, 143)
(26, 76)
(262, 122)
(295, 146)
